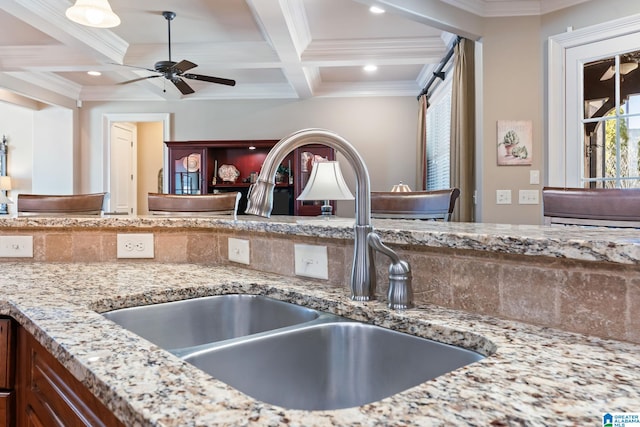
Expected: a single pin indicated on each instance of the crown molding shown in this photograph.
(505, 8)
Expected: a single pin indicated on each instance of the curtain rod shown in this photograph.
(439, 73)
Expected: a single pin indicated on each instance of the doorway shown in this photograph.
(128, 186)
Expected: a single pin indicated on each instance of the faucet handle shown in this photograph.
(400, 295)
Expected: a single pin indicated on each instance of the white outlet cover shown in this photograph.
(311, 261)
(503, 197)
(239, 250)
(134, 245)
(16, 246)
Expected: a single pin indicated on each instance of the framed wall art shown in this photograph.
(515, 142)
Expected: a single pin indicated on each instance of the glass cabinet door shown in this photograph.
(187, 172)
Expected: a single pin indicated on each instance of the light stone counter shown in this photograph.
(571, 242)
(533, 376)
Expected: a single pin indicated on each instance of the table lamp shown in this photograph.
(326, 183)
(400, 188)
(5, 185)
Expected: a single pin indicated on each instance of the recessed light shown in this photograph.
(370, 68)
(377, 10)
(94, 73)
(252, 147)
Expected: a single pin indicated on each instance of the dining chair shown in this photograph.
(608, 207)
(433, 205)
(194, 204)
(60, 205)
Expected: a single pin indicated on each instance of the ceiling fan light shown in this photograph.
(93, 13)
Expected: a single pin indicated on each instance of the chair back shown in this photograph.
(60, 205)
(434, 205)
(194, 204)
(609, 207)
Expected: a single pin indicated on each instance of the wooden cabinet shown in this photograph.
(194, 169)
(49, 395)
(7, 372)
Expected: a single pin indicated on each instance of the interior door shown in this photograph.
(123, 180)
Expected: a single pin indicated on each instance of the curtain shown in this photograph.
(421, 179)
(463, 130)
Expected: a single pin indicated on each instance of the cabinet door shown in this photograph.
(6, 354)
(187, 170)
(49, 395)
(303, 163)
(6, 409)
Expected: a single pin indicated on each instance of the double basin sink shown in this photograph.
(289, 355)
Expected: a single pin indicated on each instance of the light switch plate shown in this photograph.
(503, 197)
(534, 177)
(311, 261)
(528, 197)
(16, 246)
(134, 245)
(239, 250)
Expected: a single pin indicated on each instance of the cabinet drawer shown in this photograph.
(6, 408)
(50, 395)
(6, 354)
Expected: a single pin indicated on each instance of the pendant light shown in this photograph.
(93, 13)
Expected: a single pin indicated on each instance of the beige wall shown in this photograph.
(382, 129)
(513, 90)
(150, 160)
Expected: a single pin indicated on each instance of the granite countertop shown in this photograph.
(569, 242)
(533, 376)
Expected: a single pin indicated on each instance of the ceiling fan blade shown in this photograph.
(210, 79)
(183, 66)
(138, 79)
(133, 66)
(182, 86)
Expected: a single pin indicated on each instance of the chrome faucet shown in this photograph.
(363, 272)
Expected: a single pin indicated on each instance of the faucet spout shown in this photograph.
(260, 200)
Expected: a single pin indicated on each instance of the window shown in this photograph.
(611, 122)
(438, 138)
(592, 134)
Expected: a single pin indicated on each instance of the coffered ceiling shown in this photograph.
(290, 49)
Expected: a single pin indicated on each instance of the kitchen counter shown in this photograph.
(569, 242)
(533, 376)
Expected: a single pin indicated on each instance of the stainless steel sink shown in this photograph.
(187, 323)
(289, 355)
(329, 366)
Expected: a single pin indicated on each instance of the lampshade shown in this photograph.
(326, 183)
(401, 188)
(93, 13)
(5, 183)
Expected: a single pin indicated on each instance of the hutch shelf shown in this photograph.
(200, 167)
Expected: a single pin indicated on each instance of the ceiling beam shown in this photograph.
(284, 25)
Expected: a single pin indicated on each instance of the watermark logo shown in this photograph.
(621, 419)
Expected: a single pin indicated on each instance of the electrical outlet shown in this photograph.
(528, 197)
(311, 261)
(503, 197)
(134, 245)
(239, 250)
(16, 246)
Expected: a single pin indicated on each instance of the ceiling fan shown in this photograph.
(176, 71)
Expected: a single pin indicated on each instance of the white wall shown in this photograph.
(383, 130)
(17, 123)
(53, 171)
